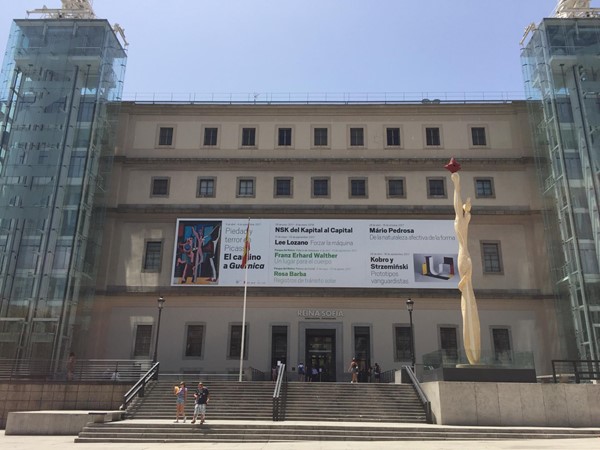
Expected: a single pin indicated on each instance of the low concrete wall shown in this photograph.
(38, 396)
(52, 422)
(514, 404)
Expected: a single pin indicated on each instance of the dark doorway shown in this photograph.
(279, 344)
(362, 352)
(320, 355)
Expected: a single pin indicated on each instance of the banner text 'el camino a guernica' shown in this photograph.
(317, 253)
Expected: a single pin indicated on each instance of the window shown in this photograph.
(357, 137)
(279, 344)
(358, 187)
(160, 187)
(320, 137)
(283, 187)
(165, 136)
(395, 188)
(432, 136)
(206, 187)
(492, 261)
(210, 136)
(194, 340)
(449, 343)
(245, 187)
(235, 341)
(77, 164)
(284, 138)
(478, 136)
(320, 187)
(248, 137)
(501, 343)
(143, 338)
(152, 256)
(402, 344)
(484, 187)
(392, 137)
(436, 187)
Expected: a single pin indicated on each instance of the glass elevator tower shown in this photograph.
(561, 65)
(60, 89)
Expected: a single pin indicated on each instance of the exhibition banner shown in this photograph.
(317, 253)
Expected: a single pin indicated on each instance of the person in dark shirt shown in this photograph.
(202, 397)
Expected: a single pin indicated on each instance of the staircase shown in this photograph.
(247, 400)
(245, 432)
(358, 402)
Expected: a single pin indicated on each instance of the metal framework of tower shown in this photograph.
(60, 89)
(561, 67)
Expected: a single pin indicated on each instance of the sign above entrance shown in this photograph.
(320, 314)
(316, 253)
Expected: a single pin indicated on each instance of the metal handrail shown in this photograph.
(592, 371)
(139, 388)
(278, 400)
(424, 400)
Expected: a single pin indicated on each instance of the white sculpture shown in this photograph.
(468, 304)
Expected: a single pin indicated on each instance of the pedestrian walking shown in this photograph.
(353, 369)
(377, 373)
(201, 396)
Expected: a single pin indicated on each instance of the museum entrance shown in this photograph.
(320, 354)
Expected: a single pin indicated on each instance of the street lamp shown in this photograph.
(409, 306)
(161, 303)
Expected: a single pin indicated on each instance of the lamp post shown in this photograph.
(409, 306)
(161, 304)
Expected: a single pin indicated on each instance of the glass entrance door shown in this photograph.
(320, 355)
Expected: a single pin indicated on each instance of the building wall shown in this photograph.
(518, 298)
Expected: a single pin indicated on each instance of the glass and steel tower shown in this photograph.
(561, 65)
(60, 89)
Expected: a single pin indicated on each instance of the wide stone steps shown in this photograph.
(305, 401)
(134, 431)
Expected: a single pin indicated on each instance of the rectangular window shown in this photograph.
(432, 136)
(152, 256)
(283, 187)
(194, 340)
(320, 187)
(449, 343)
(206, 187)
(279, 344)
(484, 187)
(143, 339)
(235, 341)
(436, 188)
(502, 347)
(210, 136)
(478, 136)
(392, 137)
(357, 137)
(358, 188)
(402, 343)
(160, 187)
(165, 136)
(245, 187)
(395, 188)
(284, 138)
(248, 137)
(320, 137)
(492, 261)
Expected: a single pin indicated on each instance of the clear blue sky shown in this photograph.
(316, 46)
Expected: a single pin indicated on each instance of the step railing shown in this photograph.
(419, 390)
(577, 370)
(139, 388)
(280, 394)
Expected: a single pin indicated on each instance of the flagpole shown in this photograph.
(245, 257)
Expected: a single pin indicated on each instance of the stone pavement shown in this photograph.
(67, 442)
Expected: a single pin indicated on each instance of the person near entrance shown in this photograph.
(301, 373)
(202, 397)
(377, 373)
(354, 370)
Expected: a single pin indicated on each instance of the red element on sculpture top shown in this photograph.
(452, 166)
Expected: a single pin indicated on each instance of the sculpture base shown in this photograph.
(480, 373)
